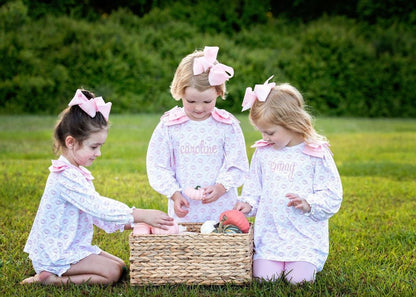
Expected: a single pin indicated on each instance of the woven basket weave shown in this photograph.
(191, 258)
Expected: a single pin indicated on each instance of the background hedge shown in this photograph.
(349, 59)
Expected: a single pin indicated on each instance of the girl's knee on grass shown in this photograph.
(103, 268)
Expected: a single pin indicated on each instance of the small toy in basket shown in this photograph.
(191, 257)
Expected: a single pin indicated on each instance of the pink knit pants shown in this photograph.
(294, 272)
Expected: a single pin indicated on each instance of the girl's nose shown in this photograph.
(198, 107)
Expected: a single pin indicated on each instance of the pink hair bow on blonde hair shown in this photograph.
(219, 73)
(91, 106)
(260, 93)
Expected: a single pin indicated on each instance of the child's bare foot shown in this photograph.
(43, 278)
(31, 280)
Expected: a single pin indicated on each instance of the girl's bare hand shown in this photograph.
(298, 203)
(153, 217)
(179, 204)
(213, 193)
(243, 207)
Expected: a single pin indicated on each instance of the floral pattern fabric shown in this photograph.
(63, 227)
(283, 233)
(183, 153)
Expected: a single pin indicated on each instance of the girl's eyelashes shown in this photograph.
(191, 101)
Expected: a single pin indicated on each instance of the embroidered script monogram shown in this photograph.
(199, 149)
(284, 168)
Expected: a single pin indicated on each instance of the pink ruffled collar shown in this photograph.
(177, 116)
(61, 164)
(261, 143)
(314, 150)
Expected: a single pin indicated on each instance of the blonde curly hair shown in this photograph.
(184, 77)
(284, 106)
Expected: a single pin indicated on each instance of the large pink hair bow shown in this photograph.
(219, 73)
(91, 106)
(260, 93)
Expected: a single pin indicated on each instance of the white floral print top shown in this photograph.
(183, 153)
(283, 233)
(63, 227)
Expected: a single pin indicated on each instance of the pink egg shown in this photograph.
(141, 228)
(172, 230)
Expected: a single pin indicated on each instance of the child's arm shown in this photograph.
(153, 217)
(253, 186)
(108, 214)
(160, 163)
(326, 199)
(236, 166)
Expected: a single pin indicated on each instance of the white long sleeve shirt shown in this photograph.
(183, 153)
(283, 233)
(63, 227)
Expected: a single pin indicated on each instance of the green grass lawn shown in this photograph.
(373, 237)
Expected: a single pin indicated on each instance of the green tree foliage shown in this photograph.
(343, 65)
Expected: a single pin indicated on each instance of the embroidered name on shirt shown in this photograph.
(200, 149)
(284, 168)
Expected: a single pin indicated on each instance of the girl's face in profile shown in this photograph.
(278, 135)
(84, 154)
(199, 105)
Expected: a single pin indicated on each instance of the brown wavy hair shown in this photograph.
(77, 123)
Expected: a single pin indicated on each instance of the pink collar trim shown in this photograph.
(177, 116)
(311, 149)
(61, 164)
(222, 116)
(261, 143)
(316, 149)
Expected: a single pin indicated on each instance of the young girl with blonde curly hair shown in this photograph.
(198, 145)
(293, 187)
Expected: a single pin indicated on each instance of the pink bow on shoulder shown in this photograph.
(91, 106)
(175, 116)
(260, 93)
(316, 150)
(59, 166)
(219, 73)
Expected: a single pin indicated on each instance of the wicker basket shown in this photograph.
(191, 258)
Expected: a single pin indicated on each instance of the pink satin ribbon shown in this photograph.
(219, 73)
(91, 106)
(260, 93)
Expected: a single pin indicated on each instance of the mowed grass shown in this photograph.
(373, 236)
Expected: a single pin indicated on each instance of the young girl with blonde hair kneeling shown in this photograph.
(293, 187)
